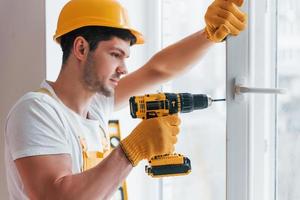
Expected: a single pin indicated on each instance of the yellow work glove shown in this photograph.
(222, 18)
(155, 136)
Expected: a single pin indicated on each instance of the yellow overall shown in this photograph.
(92, 158)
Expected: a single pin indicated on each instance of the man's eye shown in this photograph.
(116, 55)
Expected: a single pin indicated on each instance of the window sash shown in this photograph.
(251, 128)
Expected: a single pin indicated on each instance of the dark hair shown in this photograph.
(93, 35)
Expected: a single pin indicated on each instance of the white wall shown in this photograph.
(22, 58)
(53, 50)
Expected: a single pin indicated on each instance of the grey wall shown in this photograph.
(22, 58)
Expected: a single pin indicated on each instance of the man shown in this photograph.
(55, 137)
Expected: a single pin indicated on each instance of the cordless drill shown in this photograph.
(163, 104)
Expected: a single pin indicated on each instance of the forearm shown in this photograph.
(97, 183)
(178, 57)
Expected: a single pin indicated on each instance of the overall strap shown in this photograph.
(45, 91)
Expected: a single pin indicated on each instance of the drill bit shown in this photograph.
(214, 100)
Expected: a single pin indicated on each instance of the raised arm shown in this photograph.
(163, 66)
(222, 18)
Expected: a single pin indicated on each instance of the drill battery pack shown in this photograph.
(168, 165)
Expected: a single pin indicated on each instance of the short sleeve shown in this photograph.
(34, 127)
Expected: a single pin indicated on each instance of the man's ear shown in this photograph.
(80, 48)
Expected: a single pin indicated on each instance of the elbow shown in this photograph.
(60, 190)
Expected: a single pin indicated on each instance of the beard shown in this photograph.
(94, 83)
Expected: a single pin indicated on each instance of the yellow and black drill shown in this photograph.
(163, 104)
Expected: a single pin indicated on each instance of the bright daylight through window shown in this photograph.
(202, 136)
(288, 105)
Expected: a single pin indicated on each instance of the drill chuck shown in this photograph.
(191, 102)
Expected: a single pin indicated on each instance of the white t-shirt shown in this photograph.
(39, 124)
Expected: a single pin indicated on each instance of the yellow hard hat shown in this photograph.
(79, 13)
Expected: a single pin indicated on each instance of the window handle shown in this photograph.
(240, 89)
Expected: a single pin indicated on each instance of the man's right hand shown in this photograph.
(151, 137)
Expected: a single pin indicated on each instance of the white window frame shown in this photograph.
(251, 132)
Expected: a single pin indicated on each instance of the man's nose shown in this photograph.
(122, 69)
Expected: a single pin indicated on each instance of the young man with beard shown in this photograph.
(55, 137)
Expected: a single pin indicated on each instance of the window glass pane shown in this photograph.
(288, 105)
(202, 136)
